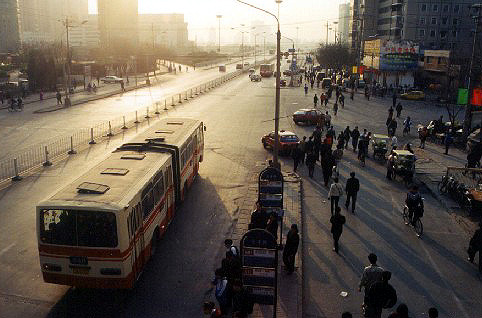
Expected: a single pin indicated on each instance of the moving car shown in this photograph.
(112, 79)
(309, 116)
(326, 82)
(287, 141)
(255, 78)
(413, 95)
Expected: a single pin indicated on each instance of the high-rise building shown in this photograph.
(41, 20)
(344, 22)
(118, 23)
(9, 26)
(85, 35)
(431, 24)
(168, 30)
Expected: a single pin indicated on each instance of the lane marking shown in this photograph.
(434, 265)
(6, 249)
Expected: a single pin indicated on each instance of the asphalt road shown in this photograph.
(431, 271)
(20, 130)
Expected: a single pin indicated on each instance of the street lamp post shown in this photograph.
(219, 16)
(335, 28)
(278, 67)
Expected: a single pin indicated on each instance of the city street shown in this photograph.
(23, 129)
(428, 271)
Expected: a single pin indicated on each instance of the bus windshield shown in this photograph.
(78, 228)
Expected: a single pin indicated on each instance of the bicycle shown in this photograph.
(418, 226)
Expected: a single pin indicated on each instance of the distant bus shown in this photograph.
(266, 70)
(100, 230)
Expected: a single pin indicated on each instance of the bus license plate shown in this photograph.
(80, 271)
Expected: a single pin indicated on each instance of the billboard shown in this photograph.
(399, 56)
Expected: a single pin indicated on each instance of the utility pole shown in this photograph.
(219, 31)
(67, 102)
(327, 26)
(255, 50)
(468, 108)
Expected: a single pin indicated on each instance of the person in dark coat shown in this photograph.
(355, 134)
(394, 100)
(475, 245)
(309, 145)
(259, 218)
(242, 301)
(296, 154)
(290, 248)
(399, 109)
(381, 295)
(327, 167)
(272, 225)
(352, 187)
(310, 163)
(347, 134)
(337, 221)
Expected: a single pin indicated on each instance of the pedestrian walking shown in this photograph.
(381, 296)
(336, 191)
(41, 96)
(407, 123)
(422, 134)
(342, 100)
(390, 113)
(221, 290)
(351, 188)
(394, 100)
(371, 274)
(272, 225)
(392, 128)
(290, 248)
(448, 142)
(296, 155)
(122, 86)
(312, 83)
(326, 100)
(327, 167)
(302, 147)
(310, 162)
(390, 162)
(475, 245)
(355, 134)
(337, 220)
(315, 100)
(399, 109)
(242, 300)
(306, 88)
(346, 135)
(59, 98)
(335, 108)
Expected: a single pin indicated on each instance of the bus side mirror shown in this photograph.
(205, 128)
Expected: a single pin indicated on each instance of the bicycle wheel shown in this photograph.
(405, 216)
(418, 226)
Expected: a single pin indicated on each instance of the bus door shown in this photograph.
(196, 154)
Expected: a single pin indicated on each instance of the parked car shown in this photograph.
(239, 66)
(255, 78)
(282, 82)
(112, 79)
(287, 72)
(413, 95)
(309, 116)
(287, 141)
(222, 68)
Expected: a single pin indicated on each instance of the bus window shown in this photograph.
(57, 227)
(147, 200)
(159, 189)
(78, 228)
(96, 229)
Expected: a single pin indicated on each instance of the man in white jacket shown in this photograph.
(336, 191)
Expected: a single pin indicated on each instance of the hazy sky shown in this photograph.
(310, 16)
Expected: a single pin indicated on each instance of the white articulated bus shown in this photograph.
(100, 230)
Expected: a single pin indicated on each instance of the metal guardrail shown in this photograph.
(33, 157)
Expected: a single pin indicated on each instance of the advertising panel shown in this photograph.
(399, 56)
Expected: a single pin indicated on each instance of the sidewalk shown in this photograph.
(431, 165)
(289, 286)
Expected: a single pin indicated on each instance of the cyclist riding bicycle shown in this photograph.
(414, 203)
